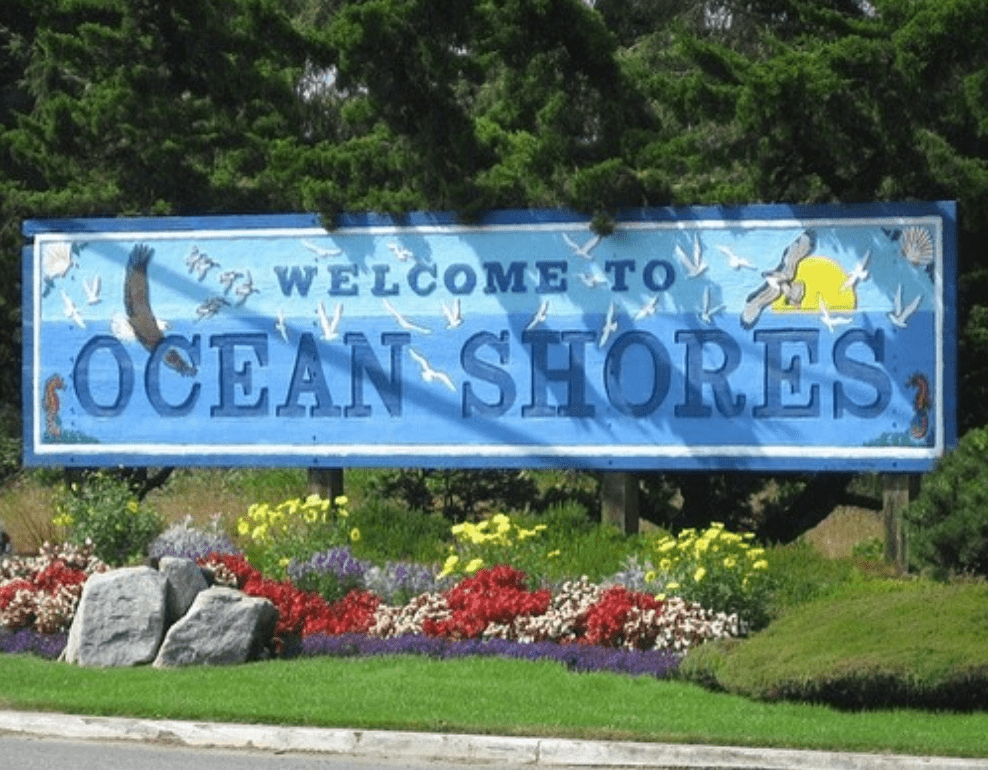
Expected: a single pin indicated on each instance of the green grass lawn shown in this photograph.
(477, 696)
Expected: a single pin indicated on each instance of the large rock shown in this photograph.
(120, 620)
(185, 583)
(223, 626)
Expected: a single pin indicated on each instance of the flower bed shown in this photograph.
(358, 608)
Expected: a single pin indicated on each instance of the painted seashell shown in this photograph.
(917, 245)
(56, 259)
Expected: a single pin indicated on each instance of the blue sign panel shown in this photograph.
(763, 338)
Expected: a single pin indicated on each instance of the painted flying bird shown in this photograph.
(694, 264)
(281, 325)
(330, 326)
(584, 250)
(403, 322)
(71, 311)
(211, 307)
(592, 280)
(200, 263)
(428, 373)
(245, 289)
(899, 315)
(453, 313)
(858, 273)
(321, 252)
(229, 277)
(779, 282)
(831, 321)
(734, 261)
(708, 311)
(137, 304)
(610, 325)
(401, 253)
(92, 289)
(648, 309)
(539, 316)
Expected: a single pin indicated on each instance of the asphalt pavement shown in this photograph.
(474, 749)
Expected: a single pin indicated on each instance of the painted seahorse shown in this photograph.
(53, 425)
(922, 403)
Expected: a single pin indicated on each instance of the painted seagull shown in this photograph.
(708, 311)
(403, 322)
(453, 313)
(245, 289)
(539, 316)
(428, 373)
(71, 311)
(648, 308)
(229, 277)
(779, 282)
(899, 315)
(585, 249)
(610, 326)
(137, 304)
(281, 325)
(592, 280)
(734, 261)
(858, 273)
(401, 253)
(694, 264)
(319, 251)
(210, 307)
(330, 326)
(831, 321)
(92, 289)
(200, 263)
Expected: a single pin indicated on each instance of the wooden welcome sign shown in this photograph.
(765, 337)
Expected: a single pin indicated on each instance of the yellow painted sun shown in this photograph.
(822, 277)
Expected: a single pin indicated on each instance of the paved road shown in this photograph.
(32, 753)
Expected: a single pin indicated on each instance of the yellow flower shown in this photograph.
(760, 564)
(553, 554)
(650, 576)
(473, 565)
(698, 575)
(660, 597)
(449, 565)
(667, 546)
(259, 533)
(665, 565)
(63, 520)
(730, 562)
(672, 586)
(243, 526)
(284, 561)
(354, 535)
(132, 506)
(340, 500)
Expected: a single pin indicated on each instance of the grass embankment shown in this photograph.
(477, 696)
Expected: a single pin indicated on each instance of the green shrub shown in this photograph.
(947, 525)
(392, 532)
(102, 509)
(800, 573)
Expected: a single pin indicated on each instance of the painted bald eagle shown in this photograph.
(137, 304)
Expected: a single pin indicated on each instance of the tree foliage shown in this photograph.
(111, 107)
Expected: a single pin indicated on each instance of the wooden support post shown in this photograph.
(619, 500)
(326, 482)
(895, 498)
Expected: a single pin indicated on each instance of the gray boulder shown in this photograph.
(120, 619)
(223, 626)
(185, 582)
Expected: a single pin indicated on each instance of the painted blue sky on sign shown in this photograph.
(668, 338)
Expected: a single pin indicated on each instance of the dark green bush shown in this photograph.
(947, 525)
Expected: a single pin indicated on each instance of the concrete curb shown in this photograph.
(549, 752)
